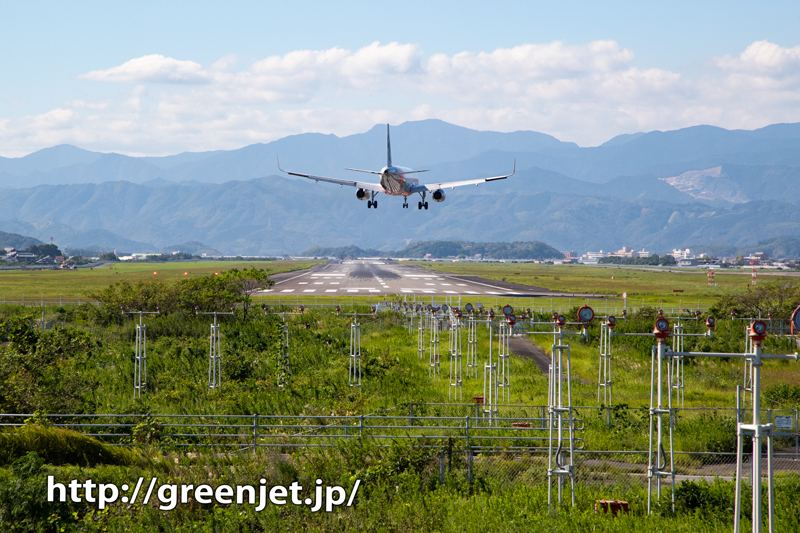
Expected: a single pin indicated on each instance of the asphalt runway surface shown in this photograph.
(372, 277)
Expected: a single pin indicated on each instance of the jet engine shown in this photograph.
(438, 195)
(362, 195)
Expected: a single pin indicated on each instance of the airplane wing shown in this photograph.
(430, 187)
(358, 184)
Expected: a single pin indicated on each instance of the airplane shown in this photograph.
(397, 181)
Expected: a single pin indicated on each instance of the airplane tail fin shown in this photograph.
(388, 148)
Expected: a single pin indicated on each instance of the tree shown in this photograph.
(244, 282)
(109, 256)
(42, 250)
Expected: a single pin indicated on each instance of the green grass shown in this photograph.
(71, 284)
(74, 370)
(642, 284)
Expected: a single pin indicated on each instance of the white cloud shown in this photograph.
(763, 57)
(154, 68)
(583, 93)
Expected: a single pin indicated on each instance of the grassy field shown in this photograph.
(72, 284)
(87, 367)
(642, 285)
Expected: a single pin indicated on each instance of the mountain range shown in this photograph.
(657, 190)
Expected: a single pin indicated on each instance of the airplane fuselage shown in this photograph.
(397, 181)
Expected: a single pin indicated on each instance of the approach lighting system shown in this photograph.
(711, 322)
(122, 307)
(733, 314)
(233, 309)
(758, 331)
(796, 321)
(611, 321)
(511, 319)
(508, 310)
(445, 308)
(769, 315)
(158, 309)
(661, 329)
(624, 313)
(196, 309)
(561, 320)
(697, 314)
(302, 309)
(491, 314)
(338, 310)
(585, 314)
(468, 308)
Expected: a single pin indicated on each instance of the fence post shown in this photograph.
(361, 430)
(467, 431)
(441, 467)
(255, 433)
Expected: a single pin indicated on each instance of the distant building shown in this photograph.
(679, 254)
(687, 262)
(570, 255)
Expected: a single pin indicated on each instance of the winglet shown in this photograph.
(514, 170)
(279, 163)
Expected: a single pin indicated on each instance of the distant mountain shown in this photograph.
(192, 247)
(784, 247)
(275, 215)
(656, 190)
(424, 144)
(20, 242)
(494, 250)
(342, 252)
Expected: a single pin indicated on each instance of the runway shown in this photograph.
(370, 277)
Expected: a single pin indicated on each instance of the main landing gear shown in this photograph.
(405, 202)
(423, 203)
(373, 202)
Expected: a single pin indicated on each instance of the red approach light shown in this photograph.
(491, 313)
(233, 309)
(661, 329)
(468, 308)
(511, 319)
(561, 320)
(123, 308)
(508, 310)
(158, 309)
(733, 313)
(302, 309)
(155, 273)
(585, 314)
(624, 313)
(758, 331)
(611, 321)
(338, 309)
(185, 273)
(711, 322)
(196, 308)
(445, 308)
(216, 273)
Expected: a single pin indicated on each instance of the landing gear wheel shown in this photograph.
(369, 204)
(426, 206)
(375, 204)
(420, 206)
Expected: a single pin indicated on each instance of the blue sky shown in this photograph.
(152, 78)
